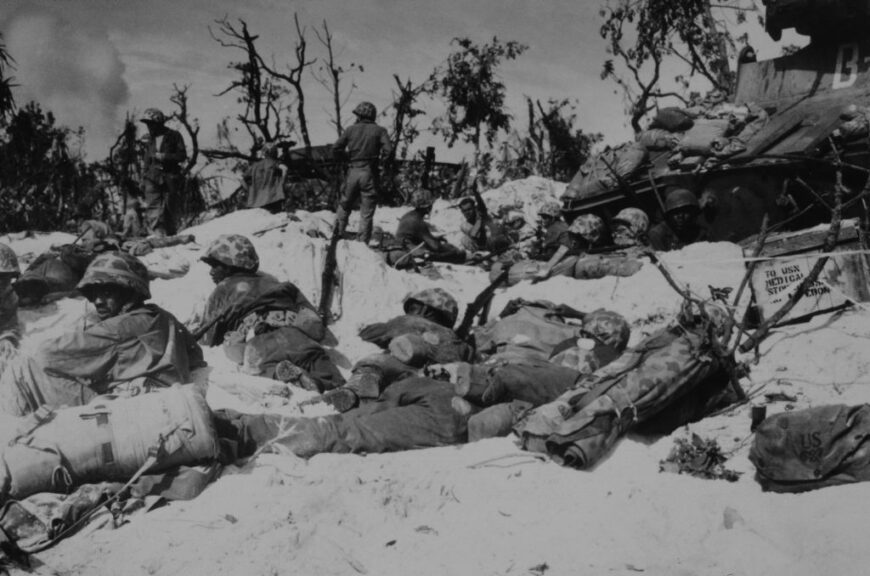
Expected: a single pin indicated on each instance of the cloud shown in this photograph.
(75, 72)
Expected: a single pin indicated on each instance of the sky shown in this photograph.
(93, 61)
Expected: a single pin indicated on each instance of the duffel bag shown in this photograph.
(108, 439)
(809, 449)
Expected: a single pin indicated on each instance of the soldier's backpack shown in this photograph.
(644, 384)
(809, 449)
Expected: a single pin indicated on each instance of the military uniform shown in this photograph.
(365, 142)
(9, 327)
(137, 349)
(161, 174)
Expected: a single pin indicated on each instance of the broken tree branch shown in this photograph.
(830, 241)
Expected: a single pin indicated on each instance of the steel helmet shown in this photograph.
(550, 208)
(366, 110)
(153, 116)
(589, 226)
(681, 198)
(116, 269)
(609, 327)
(232, 250)
(8, 262)
(637, 223)
(422, 198)
(437, 299)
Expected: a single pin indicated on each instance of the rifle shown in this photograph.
(496, 253)
(328, 277)
(480, 303)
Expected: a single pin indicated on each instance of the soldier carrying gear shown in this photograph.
(586, 231)
(229, 253)
(116, 270)
(554, 231)
(132, 348)
(681, 225)
(164, 153)
(414, 234)
(366, 143)
(433, 303)
(629, 227)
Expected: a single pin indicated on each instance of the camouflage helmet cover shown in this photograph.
(436, 298)
(232, 250)
(589, 226)
(609, 327)
(550, 208)
(366, 110)
(680, 198)
(153, 116)
(8, 262)
(422, 198)
(116, 269)
(635, 220)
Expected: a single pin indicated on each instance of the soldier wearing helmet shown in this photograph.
(585, 232)
(414, 234)
(365, 143)
(264, 181)
(630, 227)
(128, 347)
(433, 303)
(552, 231)
(252, 313)
(162, 173)
(681, 225)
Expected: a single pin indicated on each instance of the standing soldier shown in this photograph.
(365, 142)
(164, 153)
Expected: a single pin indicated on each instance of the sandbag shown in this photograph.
(813, 448)
(581, 426)
(706, 137)
(672, 119)
(108, 439)
(658, 139)
(605, 171)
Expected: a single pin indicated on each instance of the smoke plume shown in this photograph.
(75, 72)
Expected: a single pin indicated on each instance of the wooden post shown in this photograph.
(427, 166)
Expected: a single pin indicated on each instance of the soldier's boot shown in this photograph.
(496, 420)
(288, 372)
(362, 386)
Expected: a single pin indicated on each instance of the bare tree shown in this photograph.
(293, 77)
(331, 73)
(260, 89)
(179, 98)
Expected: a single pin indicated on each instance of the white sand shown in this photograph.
(441, 512)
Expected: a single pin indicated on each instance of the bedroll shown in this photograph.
(582, 425)
(108, 439)
(809, 449)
